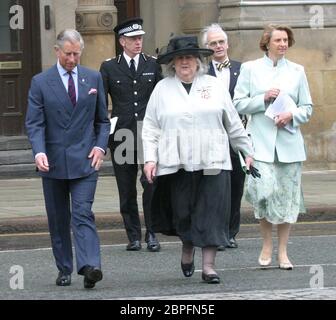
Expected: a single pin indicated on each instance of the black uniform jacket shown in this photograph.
(129, 94)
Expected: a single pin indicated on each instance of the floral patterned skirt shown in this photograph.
(277, 195)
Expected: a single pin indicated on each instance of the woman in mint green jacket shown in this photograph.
(277, 139)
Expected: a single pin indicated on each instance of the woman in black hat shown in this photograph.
(188, 123)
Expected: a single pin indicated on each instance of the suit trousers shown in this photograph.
(237, 190)
(69, 207)
(126, 177)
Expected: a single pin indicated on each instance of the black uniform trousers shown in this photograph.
(237, 190)
(126, 176)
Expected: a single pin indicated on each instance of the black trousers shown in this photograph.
(237, 190)
(126, 176)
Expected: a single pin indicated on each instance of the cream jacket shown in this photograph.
(192, 131)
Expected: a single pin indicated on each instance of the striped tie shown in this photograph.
(225, 64)
(71, 89)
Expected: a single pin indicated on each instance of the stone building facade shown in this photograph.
(314, 26)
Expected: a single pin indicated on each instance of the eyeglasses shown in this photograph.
(216, 43)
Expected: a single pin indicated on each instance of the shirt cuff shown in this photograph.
(102, 150)
(39, 154)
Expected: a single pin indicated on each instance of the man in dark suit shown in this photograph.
(68, 127)
(129, 79)
(227, 71)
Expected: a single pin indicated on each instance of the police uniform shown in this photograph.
(130, 93)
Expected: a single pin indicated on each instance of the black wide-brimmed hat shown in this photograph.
(181, 46)
(130, 28)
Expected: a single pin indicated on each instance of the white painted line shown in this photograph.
(167, 243)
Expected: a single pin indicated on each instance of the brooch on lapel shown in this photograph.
(93, 91)
(205, 92)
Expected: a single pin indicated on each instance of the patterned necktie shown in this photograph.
(132, 67)
(71, 89)
(225, 64)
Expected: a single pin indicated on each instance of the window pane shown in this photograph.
(9, 38)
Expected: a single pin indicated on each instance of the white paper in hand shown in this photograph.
(113, 122)
(283, 103)
(242, 162)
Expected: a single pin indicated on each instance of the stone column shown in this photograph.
(196, 14)
(95, 20)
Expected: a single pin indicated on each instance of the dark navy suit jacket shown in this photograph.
(67, 134)
(234, 73)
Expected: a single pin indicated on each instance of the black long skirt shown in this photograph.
(194, 206)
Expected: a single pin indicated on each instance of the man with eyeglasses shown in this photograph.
(227, 71)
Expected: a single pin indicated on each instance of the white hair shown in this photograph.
(202, 68)
(214, 27)
(70, 35)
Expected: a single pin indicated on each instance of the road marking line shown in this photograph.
(167, 243)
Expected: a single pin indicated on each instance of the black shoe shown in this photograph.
(221, 248)
(91, 276)
(210, 278)
(153, 244)
(63, 279)
(233, 244)
(134, 246)
(188, 268)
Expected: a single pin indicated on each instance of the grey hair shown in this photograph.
(70, 35)
(214, 27)
(202, 68)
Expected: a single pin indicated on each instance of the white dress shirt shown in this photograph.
(128, 60)
(223, 75)
(65, 77)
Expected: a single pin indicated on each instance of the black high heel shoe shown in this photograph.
(211, 278)
(188, 268)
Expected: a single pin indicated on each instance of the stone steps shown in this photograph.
(16, 159)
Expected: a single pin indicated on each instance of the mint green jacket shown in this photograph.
(258, 76)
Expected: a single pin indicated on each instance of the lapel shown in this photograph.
(234, 73)
(141, 66)
(125, 67)
(83, 89)
(211, 69)
(55, 82)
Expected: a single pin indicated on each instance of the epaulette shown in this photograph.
(119, 58)
(109, 59)
(144, 56)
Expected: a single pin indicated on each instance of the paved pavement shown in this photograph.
(22, 210)
(22, 206)
(143, 275)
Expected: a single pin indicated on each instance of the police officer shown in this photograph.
(129, 79)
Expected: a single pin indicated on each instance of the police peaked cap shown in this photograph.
(129, 28)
